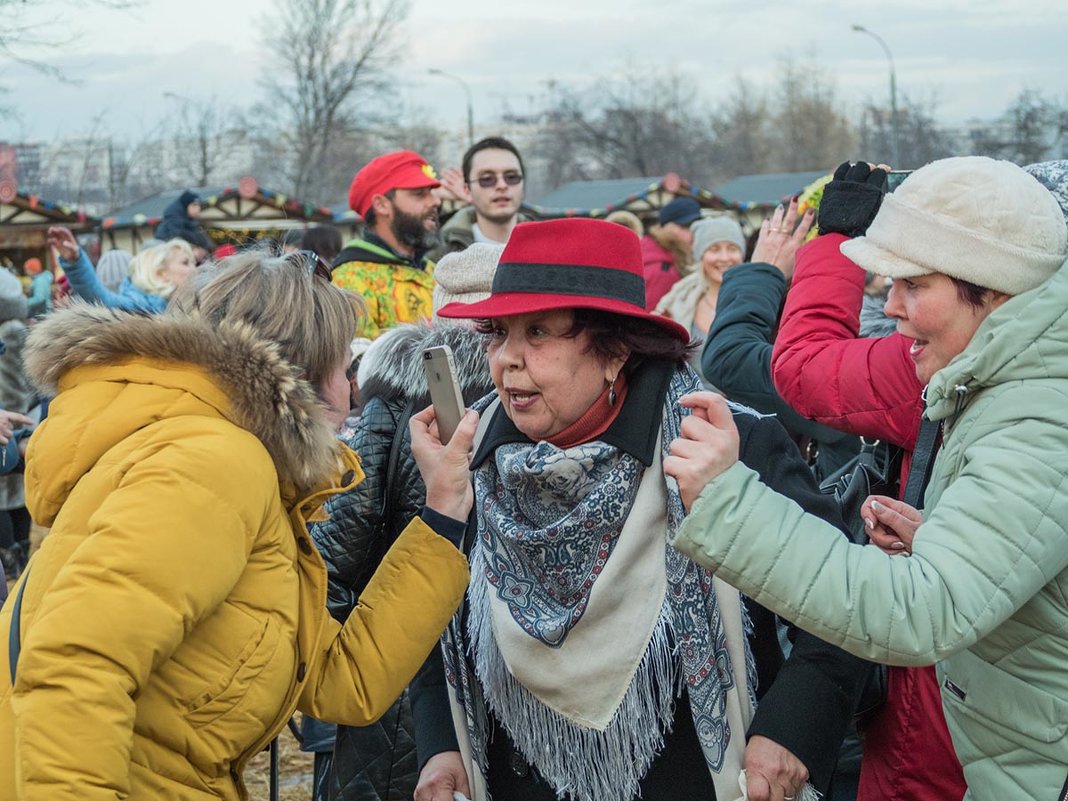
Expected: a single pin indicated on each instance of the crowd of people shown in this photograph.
(631, 571)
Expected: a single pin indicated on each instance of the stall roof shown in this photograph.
(28, 209)
(639, 195)
(222, 205)
(765, 190)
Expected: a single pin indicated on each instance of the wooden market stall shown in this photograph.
(24, 221)
(749, 198)
(231, 214)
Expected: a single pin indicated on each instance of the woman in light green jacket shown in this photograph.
(976, 249)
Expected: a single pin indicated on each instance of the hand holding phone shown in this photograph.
(445, 395)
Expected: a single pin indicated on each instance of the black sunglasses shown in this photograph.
(313, 263)
(489, 179)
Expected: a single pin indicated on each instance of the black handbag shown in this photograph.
(876, 470)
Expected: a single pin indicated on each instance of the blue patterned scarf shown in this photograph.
(548, 523)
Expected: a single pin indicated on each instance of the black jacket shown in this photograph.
(737, 358)
(177, 224)
(377, 762)
(807, 700)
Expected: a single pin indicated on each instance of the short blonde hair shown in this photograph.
(146, 266)
(309, 318)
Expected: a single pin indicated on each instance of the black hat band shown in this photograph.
(570, 279)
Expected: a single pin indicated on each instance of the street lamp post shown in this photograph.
(894, 151)
(470, 104)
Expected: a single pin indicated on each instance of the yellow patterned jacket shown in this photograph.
(395, 289)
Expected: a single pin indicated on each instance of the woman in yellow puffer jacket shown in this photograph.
(175, 617)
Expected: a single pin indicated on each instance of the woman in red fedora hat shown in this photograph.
(591, 659)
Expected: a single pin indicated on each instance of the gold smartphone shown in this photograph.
(445, 392)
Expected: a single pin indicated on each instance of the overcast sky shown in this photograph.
(974, 55)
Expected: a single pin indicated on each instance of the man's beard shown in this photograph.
(411, 231)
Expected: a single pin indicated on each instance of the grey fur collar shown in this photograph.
(267, 395)
(393, 366)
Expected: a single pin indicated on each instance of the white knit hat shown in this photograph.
(465, 276)
(973, 218)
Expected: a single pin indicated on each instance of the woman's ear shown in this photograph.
(613, 366)
(996, 298)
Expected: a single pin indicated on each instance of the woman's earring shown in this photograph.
(612, 393)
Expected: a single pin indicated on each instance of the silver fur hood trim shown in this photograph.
(393, 366)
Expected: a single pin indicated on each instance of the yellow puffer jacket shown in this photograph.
(175, 616)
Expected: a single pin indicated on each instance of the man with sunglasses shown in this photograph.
(493, 182)
(388, 266)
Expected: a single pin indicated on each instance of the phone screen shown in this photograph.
(895, 177)
(444, 389)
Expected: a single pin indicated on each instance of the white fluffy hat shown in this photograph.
(465, 276)
(973, 218)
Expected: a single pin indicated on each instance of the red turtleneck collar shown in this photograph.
(596, 419)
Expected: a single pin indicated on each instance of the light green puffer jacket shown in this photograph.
(985, 593)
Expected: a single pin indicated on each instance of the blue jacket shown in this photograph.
(85, 284)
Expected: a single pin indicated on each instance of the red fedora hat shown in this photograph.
(568, 264)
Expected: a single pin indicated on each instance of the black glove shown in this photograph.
(851, 199)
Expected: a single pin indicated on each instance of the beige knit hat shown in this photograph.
(973, 218)
(465, 276)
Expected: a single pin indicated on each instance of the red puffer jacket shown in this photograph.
(660, 272)
(866, 387)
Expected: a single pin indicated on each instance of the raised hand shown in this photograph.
(852, 199)
(64, 242)
(780, 237)
(453, 186)
(707, 447)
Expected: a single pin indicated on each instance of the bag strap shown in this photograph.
(927, 444)
(389, 497)
(14, 636)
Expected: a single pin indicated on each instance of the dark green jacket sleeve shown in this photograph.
(737, 356)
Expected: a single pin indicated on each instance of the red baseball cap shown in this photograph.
(568, 264)
(404, 169)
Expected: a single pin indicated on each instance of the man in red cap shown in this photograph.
(388, 266)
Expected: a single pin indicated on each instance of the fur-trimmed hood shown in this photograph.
(393, 366)
(267, 396)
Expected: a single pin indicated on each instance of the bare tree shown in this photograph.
(21, 31)
(812, 131)
(801, 126)
(743, 139)
(206, 137)
(637, 126)
(920, 138)
(334, 53)
(1034, 128)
